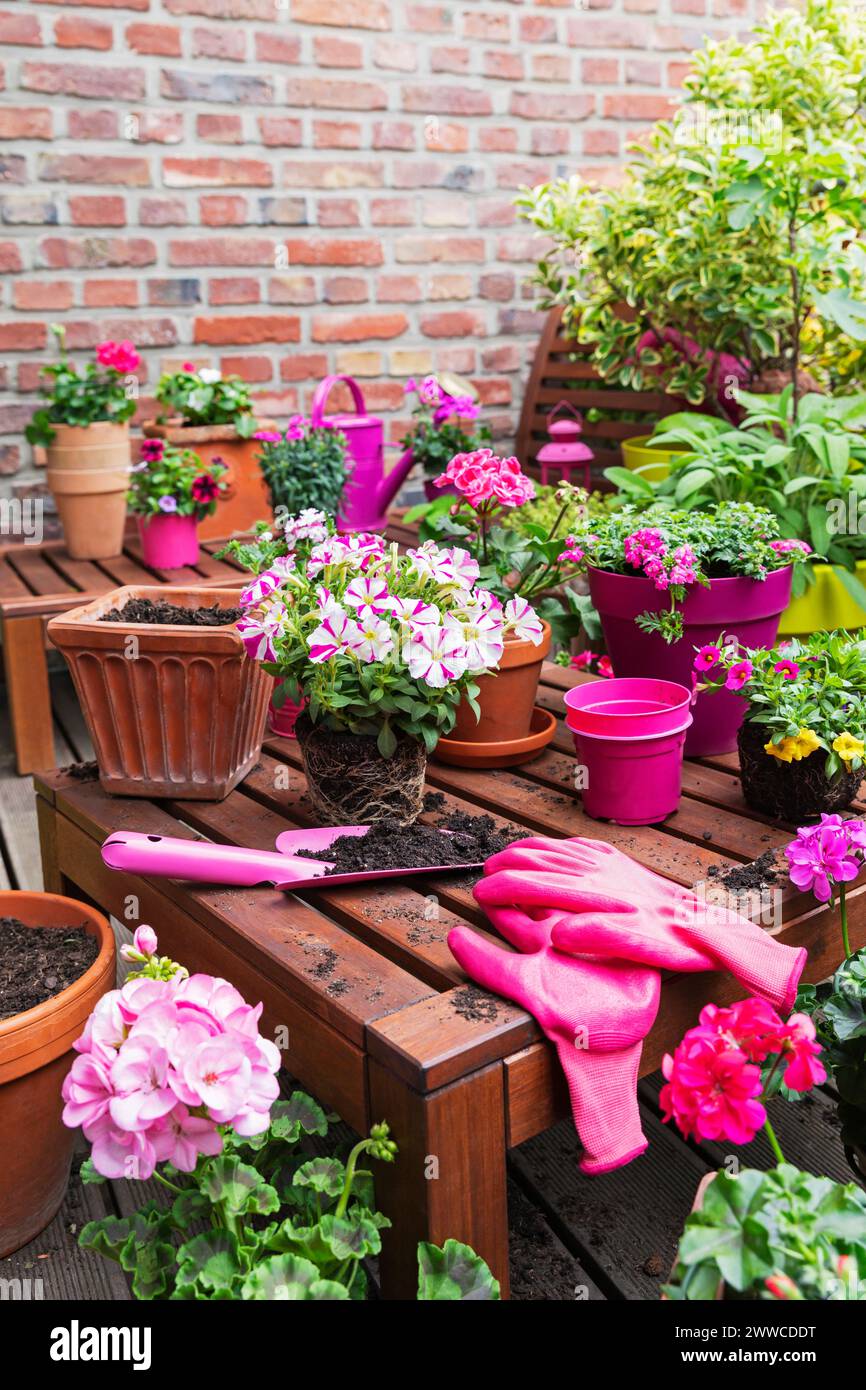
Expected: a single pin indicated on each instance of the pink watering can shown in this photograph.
(369, 491)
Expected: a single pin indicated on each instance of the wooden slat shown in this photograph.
(33, 567)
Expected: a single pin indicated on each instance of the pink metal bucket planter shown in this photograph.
(169, 542)
(629, 736)
(282, 720)
(748, 609)
(369, 490)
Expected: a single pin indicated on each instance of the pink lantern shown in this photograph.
(566, 449)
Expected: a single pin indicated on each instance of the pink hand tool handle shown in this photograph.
(198, 859)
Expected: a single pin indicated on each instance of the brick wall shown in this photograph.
(286, 187)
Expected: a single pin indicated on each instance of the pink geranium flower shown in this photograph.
(118, 357)
(604, 667)
(712, 1089)
(803, 1070)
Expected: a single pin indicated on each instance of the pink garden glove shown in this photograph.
(595, 1014)
(603, 904)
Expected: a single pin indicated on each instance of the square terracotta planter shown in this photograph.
(173, 710)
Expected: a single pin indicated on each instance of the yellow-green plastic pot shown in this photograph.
(825, 605)
(652, 462)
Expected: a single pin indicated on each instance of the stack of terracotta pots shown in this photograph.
(88, 474)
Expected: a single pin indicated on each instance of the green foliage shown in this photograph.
(454, 1273)
(305, 473)
(737, 222)
(78, 398)
(434, 446)
(785, 1225)
(205, 397)
(801, 468)
(824, 698)
(837, 1007)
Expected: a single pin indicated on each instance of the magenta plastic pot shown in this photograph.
(169, 542)
(629, 736)
(282, 721)
(746, 609)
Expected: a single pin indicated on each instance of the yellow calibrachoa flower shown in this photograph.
(848, 747)
(794, 749)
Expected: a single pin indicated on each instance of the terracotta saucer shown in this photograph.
(460, 753)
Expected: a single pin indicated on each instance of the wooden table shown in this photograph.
(39, 581)
(375, 1015)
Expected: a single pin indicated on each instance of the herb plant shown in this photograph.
(204, 396)
(174, 482)
(304, 468)
(103, 390)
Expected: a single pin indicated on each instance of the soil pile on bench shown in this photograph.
(144, 610)
(38, 962)
(387, 845)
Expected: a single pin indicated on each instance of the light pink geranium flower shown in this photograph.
(139, 1076)
(182, 1137)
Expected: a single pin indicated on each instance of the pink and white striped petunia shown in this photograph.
(415, 612)
(464, 567)
(257, 638)
(266, 582)
(522, 619)
(336, 634)
(481, 636)
(368, 591)
(436, 655)
(375, 640)
(432, 563)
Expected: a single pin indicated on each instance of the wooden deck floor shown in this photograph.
(572, 1237)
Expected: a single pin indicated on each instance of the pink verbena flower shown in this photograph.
(789, 547)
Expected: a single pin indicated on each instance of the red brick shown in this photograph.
(335, 94)
(155, 127)
(453, 323)
(304, 366)
(450, 287)
(179, 293)
(497, 139)
(393, 135)
(447, 101)
(536, 28)
(14, 418)
(292, 289)
(552, 106)
(162, 40)
(519, 246)
(150, 332)
(345, 289)
(222, 9)
(320, 251)
(241, 89)
(550, 140)
(551, 67)
(27, 123)
(643, 73)
(446, 136)
(399, 289)
(10, 460)
(73, 32)
(230, 44)
(336, 135)
(446, 210)
(423, 249)
(83, 80)
(280, 130)
(237, 289)
(358, 328)
(111, 294)
(506, 358)
(97, 211)
(450, 59)
(391, 212)
(337, 212)
(222, 210)
(507, 67)
(253, 369)
(689, 6)
(487, 26)
(601, 140)
(26, 209)
(252, 328)
(517, 172)
(14, 168)
(429, 19)
(345, 14)
(499, 284)
(277, 48)
(600, 71)
(395, 54)
(492, 392)
(22, 336)
(217, 172)
(42, 294)
(93, 125)
(610, 33)
(103, 168)
(10, 256)
(162, 212)
(320, 174)
(220, 128)
(331, 52)
(637, 106)
(243, 250)
(20, 29)
(677, 73)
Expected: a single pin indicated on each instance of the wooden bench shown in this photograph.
(39, 581)
(561, 371)
(376, 1015)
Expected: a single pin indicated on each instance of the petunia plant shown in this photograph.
(174, 1083)
(380, 643)
(676, 550)
(174, 482)
(783, 1234)
(203, 396)
(103, 390)
(806, 696)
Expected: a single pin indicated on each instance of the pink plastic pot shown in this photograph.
(746, 609)
(629, 736)
(282, 721)
(169, 542)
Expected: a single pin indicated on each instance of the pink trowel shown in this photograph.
(162, 855)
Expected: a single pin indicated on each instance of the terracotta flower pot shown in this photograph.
(246, 500)
(350, 783)
(173, 710)
(506, 697)
(35, 1055)
(794, 792)
(88, 475)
